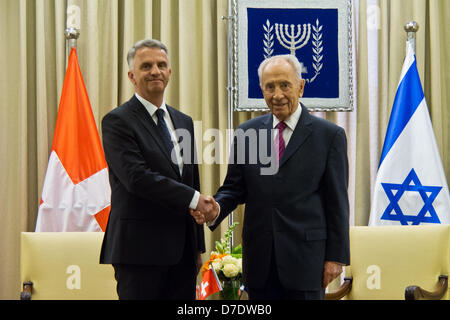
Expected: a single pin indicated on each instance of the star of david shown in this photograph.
(412, 183)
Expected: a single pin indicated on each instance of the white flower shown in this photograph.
(230, 270)
(240, 265)
(217, 264)
(230, 260)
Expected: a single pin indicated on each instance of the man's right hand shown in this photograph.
(207, 209)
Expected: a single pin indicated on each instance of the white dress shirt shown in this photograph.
(151, 108)
(291, 123)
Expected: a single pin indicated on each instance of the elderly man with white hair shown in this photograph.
(295, 237)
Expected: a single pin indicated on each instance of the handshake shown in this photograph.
(206, 211)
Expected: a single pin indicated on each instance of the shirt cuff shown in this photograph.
(194, 202)
(213, 222)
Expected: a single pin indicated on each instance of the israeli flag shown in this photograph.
(410, 188)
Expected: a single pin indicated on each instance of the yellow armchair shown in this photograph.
(397, 262)
(64, 266)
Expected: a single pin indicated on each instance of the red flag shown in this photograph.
(76, 192)
(210, 284)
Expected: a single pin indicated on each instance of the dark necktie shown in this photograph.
(162, 126)
(280, 144)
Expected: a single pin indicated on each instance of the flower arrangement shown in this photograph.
(227, 263)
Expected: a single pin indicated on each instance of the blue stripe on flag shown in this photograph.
(409, 96)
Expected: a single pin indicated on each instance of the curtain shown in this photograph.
(33, 57)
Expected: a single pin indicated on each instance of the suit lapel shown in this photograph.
(267, 125)
(144, 117)
(269, 154)
(178, 123)
(299, 136)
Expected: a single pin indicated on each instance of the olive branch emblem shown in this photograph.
(268, 39)
(317, 50)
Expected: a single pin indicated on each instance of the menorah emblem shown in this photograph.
(297, 40)
(292, 44)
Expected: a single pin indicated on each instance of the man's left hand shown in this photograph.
(331, 271)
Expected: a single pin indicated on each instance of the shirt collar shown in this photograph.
(292, 121)
(151, 108)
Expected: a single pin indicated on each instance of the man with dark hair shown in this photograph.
(151, 240)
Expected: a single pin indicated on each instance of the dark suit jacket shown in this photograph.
(149, 199)
(301, 211)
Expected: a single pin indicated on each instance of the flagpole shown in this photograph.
(72, 35)
(411, 29)
(73, 26)
(230, 17)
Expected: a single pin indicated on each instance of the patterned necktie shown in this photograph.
(280, 144)
(162, 126)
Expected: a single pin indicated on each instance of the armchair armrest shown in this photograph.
(343, 290)
(27, 288)
(417, 293)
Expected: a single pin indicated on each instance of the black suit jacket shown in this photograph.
(150, 201)
(301, 211)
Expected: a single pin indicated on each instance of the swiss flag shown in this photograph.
(209, 285)
(76, 194)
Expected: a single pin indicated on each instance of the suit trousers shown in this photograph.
(274, 289)
(146, 282)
